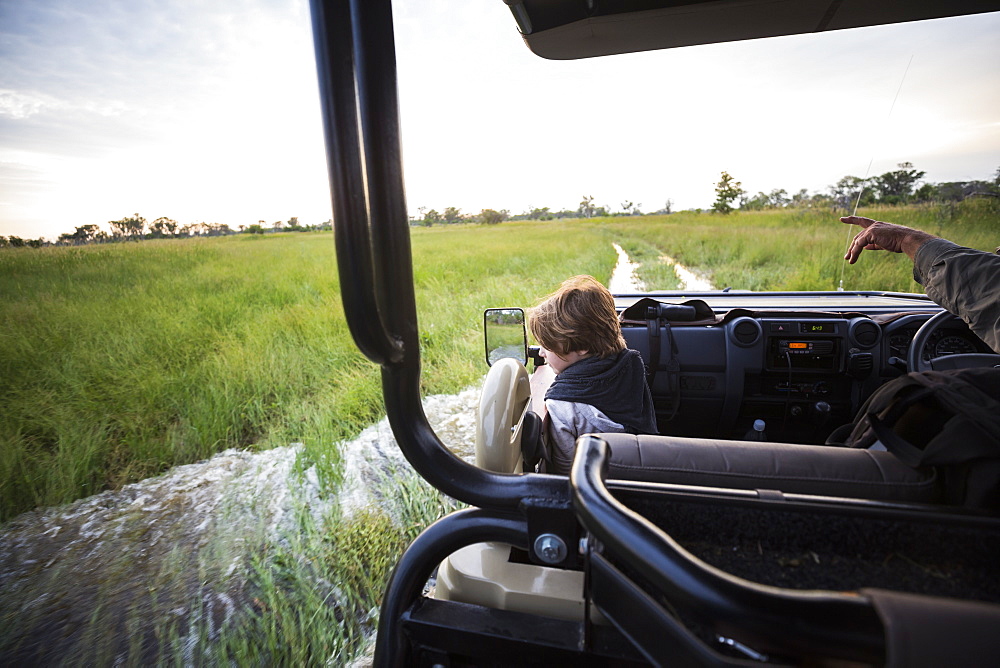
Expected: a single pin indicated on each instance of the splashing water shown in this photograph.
(175, 547)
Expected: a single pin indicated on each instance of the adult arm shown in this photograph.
(962, 280)
(965, 282)
(879, 235)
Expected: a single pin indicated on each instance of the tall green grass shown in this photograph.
(800, 249)
(119, 361)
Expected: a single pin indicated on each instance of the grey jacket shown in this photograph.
(567, 421)
(965, 282)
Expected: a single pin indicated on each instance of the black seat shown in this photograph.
(786, 467)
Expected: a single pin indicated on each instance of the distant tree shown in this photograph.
(851, 191)
(727, 190)
(755, 203)
(452, 214)
(136, 226)
(801, 199)
(776, 199)
(431, 217)
(130, 227)
(896, 187)
(586, 209)
(538, 213)
(293, 225)
(256, 228)
(492, 217)
(83, 234)
(87, 232)
(216, 229)
(3, 241)
(16, 242)
(163, 227)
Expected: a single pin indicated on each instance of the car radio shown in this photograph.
(807, 346)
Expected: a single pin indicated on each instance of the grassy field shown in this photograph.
(120, 361)
(796, 250)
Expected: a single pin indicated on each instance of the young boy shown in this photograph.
(599, 385)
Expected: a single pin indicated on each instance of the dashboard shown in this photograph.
(798, 373)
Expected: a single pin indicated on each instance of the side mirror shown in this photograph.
(506, 335)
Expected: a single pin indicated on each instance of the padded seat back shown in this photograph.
(799, 469)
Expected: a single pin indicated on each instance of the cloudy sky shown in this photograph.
(208, 111)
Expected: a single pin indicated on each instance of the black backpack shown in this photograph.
(946, 419)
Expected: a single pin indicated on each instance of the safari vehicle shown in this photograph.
(699, 545)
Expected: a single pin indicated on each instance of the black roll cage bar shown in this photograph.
(355, 53)
(355, 56)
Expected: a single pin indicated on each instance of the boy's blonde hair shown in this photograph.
(580, 315)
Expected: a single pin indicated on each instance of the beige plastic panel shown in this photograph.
(502, 406)
(481, 574)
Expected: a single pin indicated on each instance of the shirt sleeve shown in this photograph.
(965, 282)
(568, 420)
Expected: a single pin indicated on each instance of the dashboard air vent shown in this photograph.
(865, 333)
(746, 332)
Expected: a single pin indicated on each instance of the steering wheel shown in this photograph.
(915, 359)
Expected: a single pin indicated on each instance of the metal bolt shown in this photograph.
(550, 548)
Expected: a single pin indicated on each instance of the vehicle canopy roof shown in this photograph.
(567, 29)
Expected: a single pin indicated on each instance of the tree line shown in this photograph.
(137, 228)
(899, 186)
(586, 209)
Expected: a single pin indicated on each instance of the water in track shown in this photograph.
(177, 546)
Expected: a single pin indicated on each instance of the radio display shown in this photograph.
(812, 354)
(816, 327)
